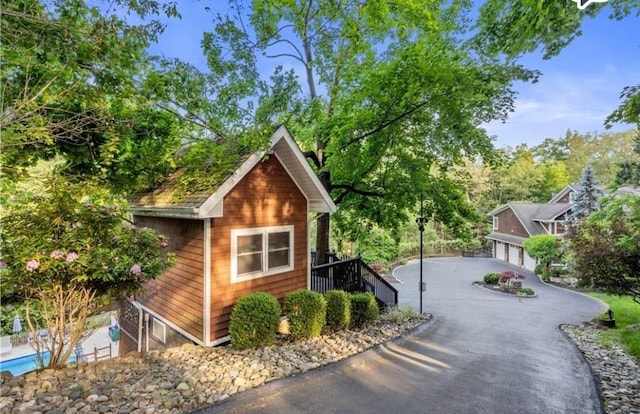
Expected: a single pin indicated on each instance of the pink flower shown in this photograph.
(72, 257)
(3, 265)
(57, 254)
(136, 269)
(32, 265)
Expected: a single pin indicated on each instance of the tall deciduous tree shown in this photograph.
(386, 91)
(70, 88)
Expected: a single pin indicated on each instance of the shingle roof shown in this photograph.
(548, 212)
(204, 198)
(507, 238)
(525, 213)
(164, 195)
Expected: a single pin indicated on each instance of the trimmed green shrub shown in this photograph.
(491, 278)
(338, 309)
(526, 291)
(306, 311)
(254, 321)
(364, 309)
(539, 269)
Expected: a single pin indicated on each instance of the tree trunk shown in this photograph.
(322, 228)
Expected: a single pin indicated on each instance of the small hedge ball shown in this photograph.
(306, 311)
(491, 278)
(338, 309)
(364, 309)
(254, 321)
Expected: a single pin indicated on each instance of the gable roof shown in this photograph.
(567, 189)
(530, 214)
(204, 204)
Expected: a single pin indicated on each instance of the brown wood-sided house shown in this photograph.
(249, 234)
(513, 223)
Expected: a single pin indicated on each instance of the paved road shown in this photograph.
(483, 353)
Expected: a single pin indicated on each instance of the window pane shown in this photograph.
(279, 240)
(250, 244)
(251, 262)
(278, 258)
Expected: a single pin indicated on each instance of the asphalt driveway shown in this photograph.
(483, 353)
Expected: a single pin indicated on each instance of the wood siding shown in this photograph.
(508, 223)
(266, 196)
(177, 295)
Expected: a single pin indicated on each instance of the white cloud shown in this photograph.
(562, 101)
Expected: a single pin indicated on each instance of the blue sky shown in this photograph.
(577, 90)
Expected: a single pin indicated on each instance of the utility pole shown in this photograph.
(421, 221)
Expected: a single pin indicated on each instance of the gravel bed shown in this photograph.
(183, 379)
(616, 372)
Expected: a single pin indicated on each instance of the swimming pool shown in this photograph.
(22, 365)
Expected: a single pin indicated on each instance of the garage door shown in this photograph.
(500, 251)
(514, 254)
(529, 262)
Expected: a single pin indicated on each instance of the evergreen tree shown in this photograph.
(586, 198)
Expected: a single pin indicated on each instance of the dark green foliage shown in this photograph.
(338, 309)
(364, 309)
(254, 321)
(491, 278)
(306, 311)
(526, 291)
(606, 248)
(539, 269)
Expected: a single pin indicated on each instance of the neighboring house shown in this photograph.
(513, 223)
(249, 234)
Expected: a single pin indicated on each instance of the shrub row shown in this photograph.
(255, 317)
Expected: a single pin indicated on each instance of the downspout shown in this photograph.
(206, 328)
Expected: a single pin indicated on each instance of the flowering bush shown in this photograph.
(76, 235)
(508, 276)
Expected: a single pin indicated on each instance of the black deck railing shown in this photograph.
(353, 275)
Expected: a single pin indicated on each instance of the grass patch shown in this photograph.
(627, 314)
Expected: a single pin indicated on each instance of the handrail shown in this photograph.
(352, 275)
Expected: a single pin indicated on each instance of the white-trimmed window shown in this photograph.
(261, 252)
(495, 222)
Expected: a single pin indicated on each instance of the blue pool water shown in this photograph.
(22, 365)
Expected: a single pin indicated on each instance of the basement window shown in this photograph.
(260, 252)
(159, 330)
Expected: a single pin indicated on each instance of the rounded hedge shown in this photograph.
(364, 309)
(254, 320)
(492, 278)
(306, 311)
(338, 309)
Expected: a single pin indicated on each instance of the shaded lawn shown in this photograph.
(626, 313)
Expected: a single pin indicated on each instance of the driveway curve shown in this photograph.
(482, 353)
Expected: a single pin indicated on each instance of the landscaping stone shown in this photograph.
(185, 378)
(616, 372)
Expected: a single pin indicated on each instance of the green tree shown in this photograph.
(75, 235)
(71, 88)
(383, 100)
(586, 198)
(606, 247)
(544, 247)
